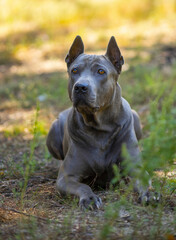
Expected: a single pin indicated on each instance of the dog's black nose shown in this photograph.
(81, 88)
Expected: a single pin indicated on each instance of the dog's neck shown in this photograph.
(106, 117)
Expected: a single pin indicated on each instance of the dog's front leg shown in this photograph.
(70, 184)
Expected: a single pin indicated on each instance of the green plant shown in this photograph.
(158, 149)
(30, 161)
(158, 153)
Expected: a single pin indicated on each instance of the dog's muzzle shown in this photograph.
(80, 93)
(82, 98)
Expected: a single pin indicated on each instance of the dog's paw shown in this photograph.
(90, 202)
(150, 197)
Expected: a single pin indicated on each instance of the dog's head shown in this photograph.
(93, 78)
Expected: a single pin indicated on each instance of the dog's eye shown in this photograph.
(75, 70)
(101, 71)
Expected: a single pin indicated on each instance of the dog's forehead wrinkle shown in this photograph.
(90, 58)
(76, 65)
(104, 62)
(89, 61)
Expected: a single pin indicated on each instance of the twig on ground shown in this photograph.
(25, 214)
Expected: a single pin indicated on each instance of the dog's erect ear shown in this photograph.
(114, 55)
(76, 49)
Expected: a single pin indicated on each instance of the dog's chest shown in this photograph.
(101, 160)
(100, 171)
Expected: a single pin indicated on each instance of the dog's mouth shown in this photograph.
(84, 106)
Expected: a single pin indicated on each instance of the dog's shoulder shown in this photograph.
(64, 115)
(126, 112)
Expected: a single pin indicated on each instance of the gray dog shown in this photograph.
(89, 136)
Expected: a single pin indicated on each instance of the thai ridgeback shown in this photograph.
(88, 137)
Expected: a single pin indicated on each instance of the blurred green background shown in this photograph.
(52, 25)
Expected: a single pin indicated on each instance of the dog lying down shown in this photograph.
(88, 137)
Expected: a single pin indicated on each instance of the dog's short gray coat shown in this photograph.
(88, 137)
